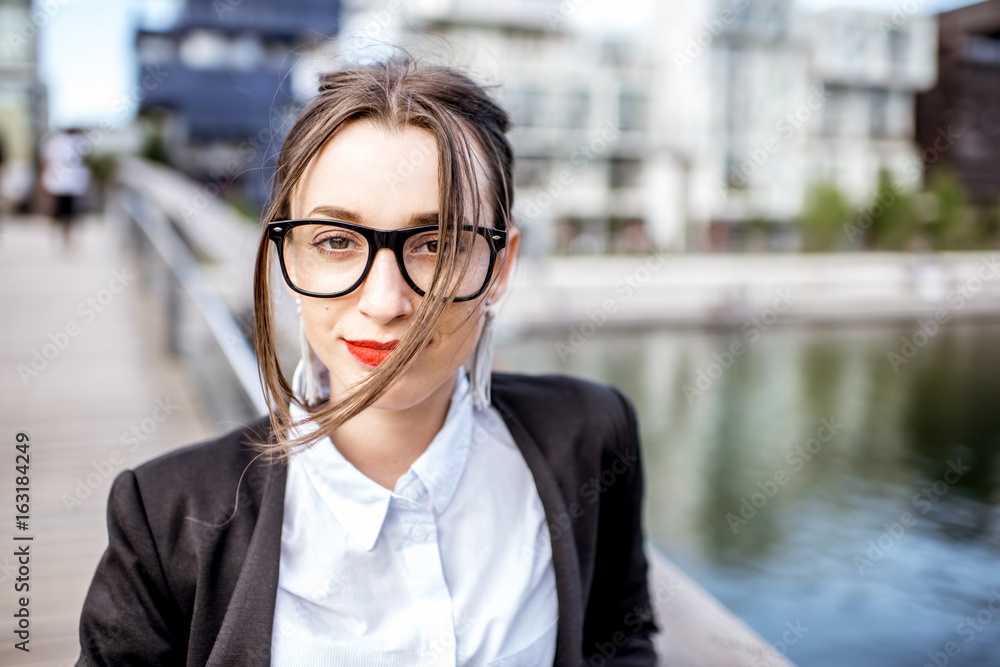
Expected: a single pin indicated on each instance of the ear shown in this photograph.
(505, 262)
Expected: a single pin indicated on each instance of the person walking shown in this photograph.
(65, 177)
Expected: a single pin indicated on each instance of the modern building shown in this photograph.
(759, 75)
(217, 89)
(810, 98)
(23, 107)
(871, 66)
(686, 126)
(965, 103)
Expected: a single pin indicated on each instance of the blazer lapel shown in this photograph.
(565, 561)
(245, 636)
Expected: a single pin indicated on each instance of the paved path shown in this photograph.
(107, 374)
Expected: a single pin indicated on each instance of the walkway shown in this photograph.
(82, 370)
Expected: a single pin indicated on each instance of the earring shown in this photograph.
(306, 382)
(482, 361)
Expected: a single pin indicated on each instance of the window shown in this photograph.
(530, 172)
(203, 49)
(156, 50)
(833, 110)
(577, 108)
(631, 110)
(624, 173)
(898, 46)
(247, 53)
(983, 50)
(523, 106)
(879, 113)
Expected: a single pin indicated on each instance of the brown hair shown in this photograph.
(470, 131)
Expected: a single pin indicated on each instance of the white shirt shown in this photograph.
(65, 172)
(451, 567)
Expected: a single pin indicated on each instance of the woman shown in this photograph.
(399, 505)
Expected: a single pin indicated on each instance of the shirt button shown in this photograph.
(418, 533)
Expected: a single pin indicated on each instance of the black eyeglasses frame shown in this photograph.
(393, 239)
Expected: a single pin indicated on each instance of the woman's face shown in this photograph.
(386, 180)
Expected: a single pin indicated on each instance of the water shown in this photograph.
(816, 481)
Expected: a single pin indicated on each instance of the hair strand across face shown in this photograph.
(475, 185)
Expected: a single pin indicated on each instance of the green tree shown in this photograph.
(890, 216)
(952, 227)
(823, 219)
(989, 226)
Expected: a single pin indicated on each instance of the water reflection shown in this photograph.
(811, 480)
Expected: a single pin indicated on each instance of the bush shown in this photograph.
(823, 218)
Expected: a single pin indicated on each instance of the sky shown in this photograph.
(87, 61)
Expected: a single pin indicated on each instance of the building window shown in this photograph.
(247, 53)
(624, 173)
(898, 47)
(614, 52)
(577, 108)
(156, 50)
(203, 49)
(879, 113)
(629, 235)
(530, 172)
(524, 106)
(833, 110)
(631, 110)
(981, 49)
(736, 177)
(581, 236)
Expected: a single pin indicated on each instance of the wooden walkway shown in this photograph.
(106, 375)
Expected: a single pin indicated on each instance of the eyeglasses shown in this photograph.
(331, 258)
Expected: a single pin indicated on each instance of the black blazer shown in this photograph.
(181, 584)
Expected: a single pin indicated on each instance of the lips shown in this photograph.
(370, 352)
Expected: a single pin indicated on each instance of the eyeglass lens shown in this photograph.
(324, 259)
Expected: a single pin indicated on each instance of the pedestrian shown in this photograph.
(65, 177)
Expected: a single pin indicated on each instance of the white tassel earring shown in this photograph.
(482, 361)
(308, 385)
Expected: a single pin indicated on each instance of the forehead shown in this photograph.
(384, 175)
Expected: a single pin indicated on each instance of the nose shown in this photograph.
(385, 295)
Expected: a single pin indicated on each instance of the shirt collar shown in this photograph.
(440, 466)
(359, 503)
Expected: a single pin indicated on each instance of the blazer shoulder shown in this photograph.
(563, 401)
(207, 466)
(557, 388)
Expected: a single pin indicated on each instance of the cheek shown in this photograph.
(320, 319)
(459, 330)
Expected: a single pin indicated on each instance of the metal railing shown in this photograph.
(199, 325)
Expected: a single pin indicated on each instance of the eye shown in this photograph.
(424, 244)
(430, 245)
(335, 242)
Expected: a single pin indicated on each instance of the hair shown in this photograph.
(470, 132)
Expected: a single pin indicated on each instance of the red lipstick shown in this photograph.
(370, 352)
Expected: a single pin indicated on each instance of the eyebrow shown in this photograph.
(337, 213)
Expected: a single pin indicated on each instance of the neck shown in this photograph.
(383, 443)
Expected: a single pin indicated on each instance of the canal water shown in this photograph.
(840, 480)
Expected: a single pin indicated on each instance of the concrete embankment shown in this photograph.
(733, 290)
